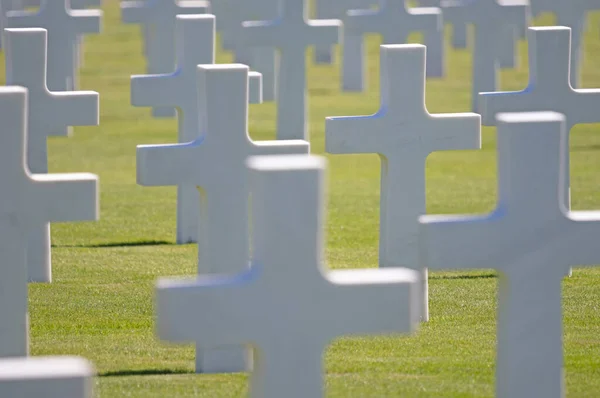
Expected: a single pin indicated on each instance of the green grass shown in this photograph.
(100, 305)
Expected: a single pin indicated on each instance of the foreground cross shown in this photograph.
(64, 26)
(531, 239)
(288, 306)
(26, 201)
(50, 114)
(195, 45)
(291, 34)
(48, 377)
(215, 164)
(394, 22)
(403, 133)
(157, 18)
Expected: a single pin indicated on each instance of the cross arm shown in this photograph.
(456, 131)
(353, 134)
(262, 33)
(283, 147)
(136, 12)
(154, 90)
(192, 7)
(358, 22)
(64, 197)
(324, 31)
(82, 107)
(584, 106)
(172, 164)
(580, 240)
(88, 21)
(490, 104)
(22, 19)
(456, 12)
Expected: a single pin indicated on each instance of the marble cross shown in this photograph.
(158, 20)
(493, 23)
(394, 21)
(531, 239)
(48, 377)
(29, 200)
(403, 133)
(195, 45)
(287, 305)
(64, 26)
(215, 164)
(291, 33)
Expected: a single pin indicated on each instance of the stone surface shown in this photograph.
(291, 33)
(29, 200)
(215, 164)
(288, 306)
(50, 114)
(394, 21)
(532, 240)
(64, 26)
(48, 377)
(158, 20)
(403, 133)
(195, 45)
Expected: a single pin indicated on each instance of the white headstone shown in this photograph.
(50, 114)
(29, 200)
(214, 163)
(493, 23)
(532, 240)
(195, 45)
(291, 33)
(288, 306)
(48, 377)
(403, 133)
(394, 21)
(158, 20)
(64, 26)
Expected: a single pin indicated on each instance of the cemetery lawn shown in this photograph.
(100, 305)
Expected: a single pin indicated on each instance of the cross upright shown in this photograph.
(215, 164)
(492, 23)
(64, 26)
(195, 46)
(532, 240)
(288, 306)
(158, 20)
(50, 114)
(394, 22)
(291, 33)
(29, 200)
(403, 133)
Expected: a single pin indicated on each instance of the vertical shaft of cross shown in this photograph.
(292, 107)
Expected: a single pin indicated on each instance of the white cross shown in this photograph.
(291, 33)
(394, 22)
(195, 45)
(49, 114)
(288, 306)
(531, 239)
(493, 23)
(48, 377)
(158, 20)
(64, 26)
(215, 164)
(403, 133)
(29, 200)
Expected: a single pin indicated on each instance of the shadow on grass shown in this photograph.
(146, 372)
(465, 276)
(123, 244)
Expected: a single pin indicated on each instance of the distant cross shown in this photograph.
(403, 133)
(26, 201)
(215, 163)
(48, 377)
(493, 23)
(64, 26)
(288, 306)
(49, 114)
(532, 240)
(395, 23)
(158, 18)
(291, 33)
(195, 46)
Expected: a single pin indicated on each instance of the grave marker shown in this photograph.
(29, 200)
(195, 45)
(215, 164)
(403, 133)
(291, 33)
(50, 114)
(531, 239)
(287, 276)
(394, 22)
